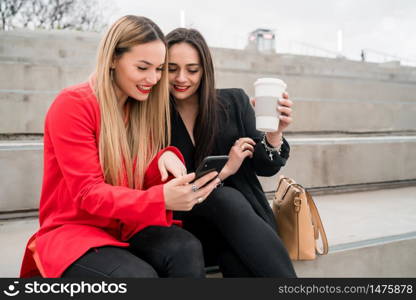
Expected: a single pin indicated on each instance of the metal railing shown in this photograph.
(372, 55)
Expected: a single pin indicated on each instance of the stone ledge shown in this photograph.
(312, 115)
(314, 162)
(370, 234)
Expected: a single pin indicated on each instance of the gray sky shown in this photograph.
(382, 25)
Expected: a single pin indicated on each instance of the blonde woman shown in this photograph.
(104, 210)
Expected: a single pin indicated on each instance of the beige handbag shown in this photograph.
(298, 221)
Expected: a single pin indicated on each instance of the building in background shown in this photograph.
(262, 40)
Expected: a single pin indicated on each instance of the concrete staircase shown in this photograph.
(353, 144)
(371, 234)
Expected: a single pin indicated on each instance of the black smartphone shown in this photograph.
(209, 164)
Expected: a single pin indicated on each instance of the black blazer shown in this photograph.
(237, 120)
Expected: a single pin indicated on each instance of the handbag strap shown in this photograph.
(289, 186)
(318, 223)
(290, 180)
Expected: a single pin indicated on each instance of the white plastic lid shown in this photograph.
(270, 81)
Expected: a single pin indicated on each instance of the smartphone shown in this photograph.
(209, 164)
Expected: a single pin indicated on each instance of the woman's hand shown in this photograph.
(169, 162)
(242, 148)
(182, 195)
(285, 109)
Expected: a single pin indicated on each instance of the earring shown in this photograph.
(112, 74)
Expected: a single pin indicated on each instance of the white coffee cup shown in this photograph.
(267, 91)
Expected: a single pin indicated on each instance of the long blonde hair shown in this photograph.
(125, 150)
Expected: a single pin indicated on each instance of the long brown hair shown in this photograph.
(148, 126)
(205, 128)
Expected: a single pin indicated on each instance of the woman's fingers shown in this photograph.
(204, 179)
(285, 110)
(182, 180)
(253, 102)
(207, 189)
(244, 147)
(247, 146)
(285, 102)
(163, 172)
(285, 119)
(247, 153)
(243, 140)
(178, 172)
(285, 95)
(169, 163)
(181, 195)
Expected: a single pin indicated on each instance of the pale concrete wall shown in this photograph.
(323, 87)
(47, 46)
(308, 77)
(330, 95)
(21, 176)
(310, 115)
(327, 162)
(23, 112)
(24, 76)
(314, 77)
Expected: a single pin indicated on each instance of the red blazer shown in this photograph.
(78, 210)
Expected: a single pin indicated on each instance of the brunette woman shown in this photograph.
(235, 223)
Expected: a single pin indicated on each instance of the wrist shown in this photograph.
(225, 172)
(272, 150)
(274, 139)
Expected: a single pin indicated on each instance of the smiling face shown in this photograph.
(138, 70)
(185, 71)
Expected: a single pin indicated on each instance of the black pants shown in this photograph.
(236, 238)
(154, 252)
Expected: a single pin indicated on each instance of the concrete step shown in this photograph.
(337, 161)
(56, 45)
(321, 87)
(390, 256)
(292, 64)
(311, 115)
(315, 162)
(370, 234)
(316, 77)
(21, 175)
(29, 76)
(14, 235)
(307, 77)
(29, 110)
(49, 46)
(331, 115)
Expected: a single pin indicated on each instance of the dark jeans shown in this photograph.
(154, 252)
(236, 238)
